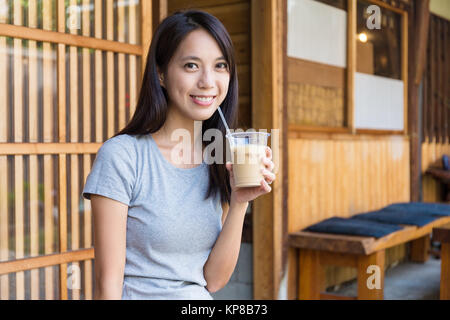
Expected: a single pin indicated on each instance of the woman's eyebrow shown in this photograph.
(198, 59)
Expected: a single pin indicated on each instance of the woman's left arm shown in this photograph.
(223, 257)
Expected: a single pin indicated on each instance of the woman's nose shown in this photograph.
(206, 79)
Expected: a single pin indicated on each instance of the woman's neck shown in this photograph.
(176, 121)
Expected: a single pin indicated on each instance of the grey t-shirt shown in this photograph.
(171, 229)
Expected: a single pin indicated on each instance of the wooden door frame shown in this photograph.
(269, 110)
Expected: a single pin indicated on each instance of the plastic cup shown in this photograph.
(247, 150)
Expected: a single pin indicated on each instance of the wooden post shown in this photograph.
(268, 19)
(311, 275)
(146, 31)
(445, 271)
(62, 192)
(159, 9)
(351, 63)
(420, 248)
(442, 235)
(364, 272)
(4, 218)
(293, 257)
(418, 33)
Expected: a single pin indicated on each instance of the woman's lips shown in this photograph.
(203, 103)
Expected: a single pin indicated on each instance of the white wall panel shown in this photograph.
(317, 32)
(378, 102)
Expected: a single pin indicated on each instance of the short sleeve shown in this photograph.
(113, 173)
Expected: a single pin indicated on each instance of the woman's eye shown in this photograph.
(223, 65)
(191, 65)
(188, 65)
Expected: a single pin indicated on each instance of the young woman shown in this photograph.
(164, 230)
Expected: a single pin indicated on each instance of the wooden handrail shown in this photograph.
(19, 32)
(46, 260)
(47, 148)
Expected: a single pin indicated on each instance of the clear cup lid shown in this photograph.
(247, 134)
(253, 137)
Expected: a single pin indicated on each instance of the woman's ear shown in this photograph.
(161, 78)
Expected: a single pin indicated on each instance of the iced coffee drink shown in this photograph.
(248, 150)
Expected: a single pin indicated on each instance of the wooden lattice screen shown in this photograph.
(436, 87)
(70, 75)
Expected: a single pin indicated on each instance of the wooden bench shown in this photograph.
(442, 235)
(315, 250)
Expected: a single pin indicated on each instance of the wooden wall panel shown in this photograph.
(343, 177)
(436, 120)
(436, 116)
(316, 94)
(319, 74)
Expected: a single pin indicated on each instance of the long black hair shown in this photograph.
(152, 105)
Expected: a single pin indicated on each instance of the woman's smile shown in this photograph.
(205, 101)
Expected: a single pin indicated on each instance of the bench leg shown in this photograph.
(420, 249)
(445, 271)
(311, 275)
(371, 276)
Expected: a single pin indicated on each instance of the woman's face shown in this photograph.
(197, 76)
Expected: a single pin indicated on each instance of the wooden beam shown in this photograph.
(338, 259)
(380, 132)
(48, 148)
(159, 9)
(146, 31)
(432, 86)
(387, 6)
(423, 20)
(404, 69)
(330, 296)
(268, 25)
(351, 63)
(331, 242)
(417, 24)
(407, 234)
(439, 82)
(441, 78)
(302, 128)
(446, 84)
(62, 205)
(442, 233)
(20, 32)
(315, 73)
(46, 260)
(309, 133)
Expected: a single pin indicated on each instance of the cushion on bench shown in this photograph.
(352, 226)
(398, 217)
(445, 162)
(435, 209)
